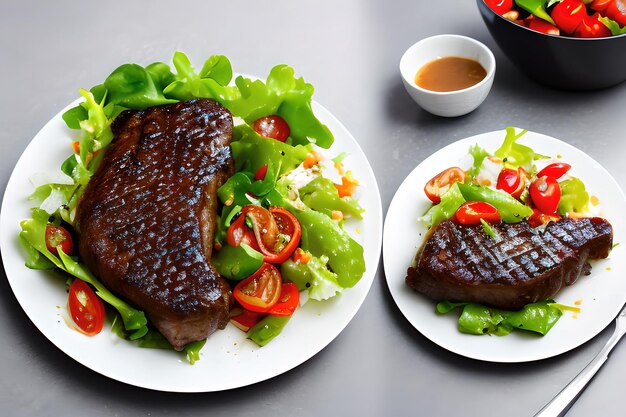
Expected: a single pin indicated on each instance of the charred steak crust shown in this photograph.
(463, 264)
(146, 221)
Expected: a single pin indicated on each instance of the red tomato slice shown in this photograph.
(261, 290)
(616, 10)
(246, 319)
(555, 170)
(276, 230)
(85, 307)
(58, 236)
(600, 5)
(472, 212)
(512, 181)
(591, 27)
(288, 300)
(261, 173)
(238, 232)
(568, 14)
(542, 26)
(437, 184)
(272, 126)
(499, 6)
(538, 218)
(545, 194)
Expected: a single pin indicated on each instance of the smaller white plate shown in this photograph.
(601, 294)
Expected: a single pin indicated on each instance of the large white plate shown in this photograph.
(228, 359)
(603, 292)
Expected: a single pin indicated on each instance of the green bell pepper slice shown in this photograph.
(511, 210)
(574, 197)
(537, 8)
(267, 329)
(237, 262)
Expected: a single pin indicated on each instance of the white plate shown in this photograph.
(228, 359)
(603, 293)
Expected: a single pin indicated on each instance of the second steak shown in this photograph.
(463, 264)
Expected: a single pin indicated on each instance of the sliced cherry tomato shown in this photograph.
(538, 218)
(499, 6)
(261, 173)
(272, 126)
(288, 300)
(85, 307)
(616, 10)
(58, 236)
(591, 27)
(567, 14)
(512, 181)
(276, 230)
(238, 232)
(261, 290)
(542, 26)
(246, 319)
(555, 170)
(472, 212)
(439, 183)
(600, 5)
(545, 194)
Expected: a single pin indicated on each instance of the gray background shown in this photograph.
(349, 50)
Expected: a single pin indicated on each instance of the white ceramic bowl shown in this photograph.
(449, 103)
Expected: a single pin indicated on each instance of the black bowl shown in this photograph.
(559, 61)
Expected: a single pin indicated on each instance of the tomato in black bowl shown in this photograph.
(563, 62)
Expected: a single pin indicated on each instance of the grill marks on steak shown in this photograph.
(463, 264)
(146, 222)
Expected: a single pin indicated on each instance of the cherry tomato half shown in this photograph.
(288, 300)
(261, 290)
(499, 6)
(58, 236)
(472, 212)
(600, 5)
(591, 27)
(545, 194)
(542, 26)
(276, 232)
(238, 232)
(437, 184)
(85, 307)
(538, 218)
(512, 181)
(567, 14)
(272, 126)
(555, 170)
(616, 10)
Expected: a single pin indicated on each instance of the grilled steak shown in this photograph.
(522, 265)
(147, 219)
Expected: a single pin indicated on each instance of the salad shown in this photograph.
(510, 185)
(576, 18)
(280, 237)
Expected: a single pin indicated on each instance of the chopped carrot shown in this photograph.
(312, 159)
(301, 256)
(348, 185)
(337, 215)
(76, 146)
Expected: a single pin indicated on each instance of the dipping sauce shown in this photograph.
(450, 73)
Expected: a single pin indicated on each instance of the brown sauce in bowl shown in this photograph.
(450, 73)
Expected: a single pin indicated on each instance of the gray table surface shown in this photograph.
(350, 50)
